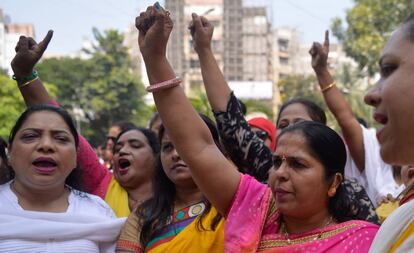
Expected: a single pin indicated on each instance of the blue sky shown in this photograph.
(72, 20)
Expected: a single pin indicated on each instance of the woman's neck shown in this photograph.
(295, 225)
(139, 194)
(42, 200)
(186, 196)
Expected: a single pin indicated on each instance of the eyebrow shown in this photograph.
(290, 157)
(166, 142)
(129, 140)
(135, 140)
(54, 131)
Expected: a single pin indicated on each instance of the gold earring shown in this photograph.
(332, 192)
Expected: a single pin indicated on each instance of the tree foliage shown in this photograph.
(199, 101)
(11, 103)
(295, 86)
(351, 82)
(348, 80)
(253, 106)
(368, 26)
(102, 86)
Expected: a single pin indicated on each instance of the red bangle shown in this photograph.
(164, 85)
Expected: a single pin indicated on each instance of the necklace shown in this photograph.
(317, 237)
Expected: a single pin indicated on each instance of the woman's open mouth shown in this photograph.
(44, 165)
(124, 165)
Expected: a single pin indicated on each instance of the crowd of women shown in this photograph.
(191, 184)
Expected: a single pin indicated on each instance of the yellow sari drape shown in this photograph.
(404, 236)
(117, 198)
(190, 239)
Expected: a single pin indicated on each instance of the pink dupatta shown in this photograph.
(252, 225)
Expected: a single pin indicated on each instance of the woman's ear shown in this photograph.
(335, 184)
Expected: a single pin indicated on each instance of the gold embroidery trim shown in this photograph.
(265, 244)
(272, 207)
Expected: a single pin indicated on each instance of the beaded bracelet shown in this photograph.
(164, 85)
(328, 87)
(31, 77)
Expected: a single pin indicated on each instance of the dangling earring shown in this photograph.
(332, 192)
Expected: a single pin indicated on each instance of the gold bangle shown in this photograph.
(28, 82)
(328, 87)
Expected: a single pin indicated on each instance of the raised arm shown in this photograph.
(218, 91)
(28, 53)
(214, 175)
(246, 150)
(351, 130)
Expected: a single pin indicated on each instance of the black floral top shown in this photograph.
(247, 151)
(253, 157)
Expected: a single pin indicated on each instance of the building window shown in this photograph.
(194, 64)
(284, 61)
(283, 45)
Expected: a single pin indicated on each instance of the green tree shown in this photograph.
(258, 106)
(295, 86)
(199, 101)
(11, 103)
(299, 86)
(70, 74)
(351, 82)
(368, 26)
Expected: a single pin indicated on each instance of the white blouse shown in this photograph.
(377, 178)
(88, 225)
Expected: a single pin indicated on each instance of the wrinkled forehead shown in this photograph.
(292, 143)
(133, 134)
(295, 111)
(45, 120)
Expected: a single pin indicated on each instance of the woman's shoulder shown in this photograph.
(85, 202)
(4, 187)
(7, 197)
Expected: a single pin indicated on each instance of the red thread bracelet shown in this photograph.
(164, 85)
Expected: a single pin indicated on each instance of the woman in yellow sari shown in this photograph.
(177, 218)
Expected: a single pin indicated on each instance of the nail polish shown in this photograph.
(157, 6)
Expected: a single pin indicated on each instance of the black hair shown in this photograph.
(316, 113)
(154, 118)
(150, 135)
(4, 175)
(123, 125)
(155, 213)
(74, 179)
(328, 148)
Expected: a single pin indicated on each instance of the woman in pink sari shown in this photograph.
(306, 208)
(303, 209)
